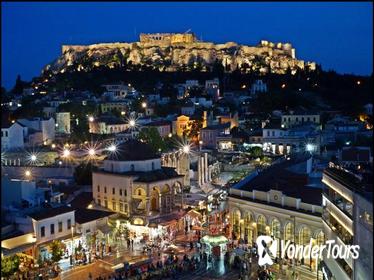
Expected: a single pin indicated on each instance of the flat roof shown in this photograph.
(50, 212)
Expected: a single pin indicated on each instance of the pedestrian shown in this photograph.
(132, 243)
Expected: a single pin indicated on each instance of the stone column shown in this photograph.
(199, 172)
(160, 206)
(201, 159)
(147, 207)
(206, 168)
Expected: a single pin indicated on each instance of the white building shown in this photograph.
(119, 91)
(12, 136)
(63, 122)
(15, 191)
(107, 125)
(299, 118)
(132, 182)
(192, 83)
(51, 224)
(348, 219)
(278, 202)
(212, 84)
(45, 126)
(258, 86)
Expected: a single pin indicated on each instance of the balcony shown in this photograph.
(345, 236)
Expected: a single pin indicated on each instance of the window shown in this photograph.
(314, 119)
(104, 189)
(273, 133)
(59, 226)
(120, 192)
(153, 166)
(125, 192)
(126, 208)
(121, 207)
(139, 192)
(69, 224)
(268, 133)
(114, 205)
(297, 119)
(52, 228)
(113, 191)
(99, 201)
(132, 167)
(98, 188)
(42, 231)
(106, 203)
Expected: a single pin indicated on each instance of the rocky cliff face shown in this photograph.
(266, 57)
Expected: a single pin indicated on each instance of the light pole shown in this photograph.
(72, 244)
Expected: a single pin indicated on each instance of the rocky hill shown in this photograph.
(265, 57)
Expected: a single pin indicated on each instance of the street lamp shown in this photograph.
(33, 157)
(27, 173)
(186, 149)
(91, 152)
(72, 243)
(132, 123)
(112, 148)
(66, 153)
(144, 105)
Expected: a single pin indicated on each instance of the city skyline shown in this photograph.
(324, 41)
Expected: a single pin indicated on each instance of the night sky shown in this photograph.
(336, 35)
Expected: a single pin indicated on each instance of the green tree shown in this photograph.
(151, 136)
(19, 86)
(194, 130)
(56, 250)
(83, 173)
(9, 265)
(256, 152)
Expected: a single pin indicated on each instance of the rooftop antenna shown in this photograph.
(187, 31)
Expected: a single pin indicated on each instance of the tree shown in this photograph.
(83, 174)
(56, 250)
(151, 136)
(19, 86)
(9, 265)
(256, 152)
(194, 130)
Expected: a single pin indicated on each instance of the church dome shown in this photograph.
(133, 150)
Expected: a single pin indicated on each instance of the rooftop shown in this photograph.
(50, 212)
(133, 150)
(361, 183)
(280, 177)
(87, 215)
(82, 200)
(165, 173)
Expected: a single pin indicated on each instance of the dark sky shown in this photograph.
(336, 35)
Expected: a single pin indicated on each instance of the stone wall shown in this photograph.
(171, 51)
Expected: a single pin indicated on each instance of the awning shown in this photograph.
(18, 241)
(105, 229)
(214, 239)
(194, 214)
